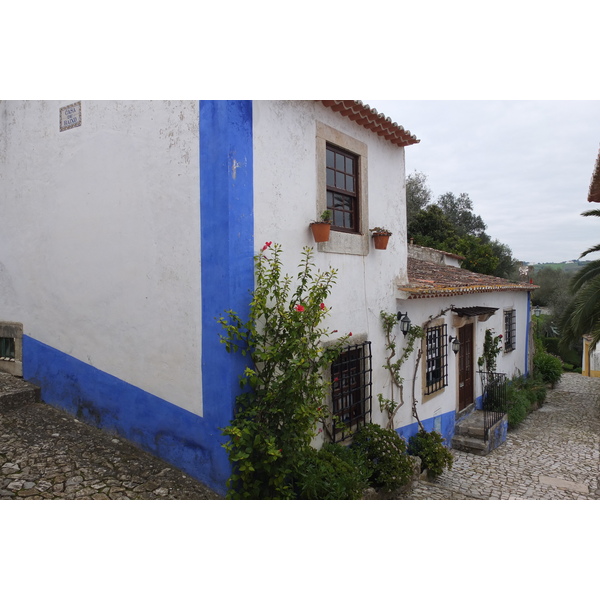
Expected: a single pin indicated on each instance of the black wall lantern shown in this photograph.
(404, 322)
(455, 344)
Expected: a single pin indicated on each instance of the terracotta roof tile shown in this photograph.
(429, 280)
(370, 119)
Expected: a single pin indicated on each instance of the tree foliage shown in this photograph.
(582, 315)
(449, 224)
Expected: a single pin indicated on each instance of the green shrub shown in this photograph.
(386, 453)
(429, 446)
(548, 367)
(332, 473)
(518, 404)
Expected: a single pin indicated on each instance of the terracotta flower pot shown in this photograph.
(320, 231)
(381, 240)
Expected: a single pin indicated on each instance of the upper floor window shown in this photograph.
(436, 359)
(342, 189)
(510, 330)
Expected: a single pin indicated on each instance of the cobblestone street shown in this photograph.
(552, 455)
(48, 454)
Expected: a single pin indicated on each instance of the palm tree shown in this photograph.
(582, 315)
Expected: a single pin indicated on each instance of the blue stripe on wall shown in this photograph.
(180, 437)
(443, 424)
(227, 243)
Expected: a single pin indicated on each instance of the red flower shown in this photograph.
(500, 336)
(349, 334)
(299, 308)
(322, 306)
(266, 246)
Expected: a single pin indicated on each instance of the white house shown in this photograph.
(128, 227)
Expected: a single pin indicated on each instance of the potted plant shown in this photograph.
(320, 229)
(381, 237)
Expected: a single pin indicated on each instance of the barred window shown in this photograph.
(7, 348)
(510, 330)
(436, 359)
(351, 390)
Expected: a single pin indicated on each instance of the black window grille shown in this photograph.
(342, 189)
(436, 363)
(7, 348)
(510, 330)
(351, 390)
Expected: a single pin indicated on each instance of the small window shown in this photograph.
(7, 348)
(436, 359)
(510, 330)
(342, 189)
(351, 390)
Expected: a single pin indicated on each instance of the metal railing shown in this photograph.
(495, 403)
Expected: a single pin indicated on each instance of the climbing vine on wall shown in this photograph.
(390, 405)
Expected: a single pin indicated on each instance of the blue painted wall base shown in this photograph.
(443, 424)
(175, 435)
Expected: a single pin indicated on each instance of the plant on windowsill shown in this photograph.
(381, 237)
(321, 228)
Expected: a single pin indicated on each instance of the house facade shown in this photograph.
(128, 228)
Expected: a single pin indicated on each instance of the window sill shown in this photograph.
(341, 242)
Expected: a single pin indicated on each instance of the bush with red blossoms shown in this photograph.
(284, 392)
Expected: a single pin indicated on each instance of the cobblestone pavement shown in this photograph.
(552, 455)
(47, 454)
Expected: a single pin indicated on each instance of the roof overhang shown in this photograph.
(372, 120)
(474, 311)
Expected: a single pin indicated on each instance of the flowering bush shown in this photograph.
(385, 452)
(283, 398)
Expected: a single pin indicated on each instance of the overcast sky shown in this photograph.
(526, 165)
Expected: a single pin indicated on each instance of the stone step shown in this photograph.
(470, 444)
(471, 430)
(15, 392)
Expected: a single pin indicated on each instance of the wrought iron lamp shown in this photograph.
(455, 344)
(404, 322)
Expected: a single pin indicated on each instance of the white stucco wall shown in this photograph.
(512, 363)
(108, 250)
(285, 197)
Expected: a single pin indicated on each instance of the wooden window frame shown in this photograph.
(343, 242)
(351, 195)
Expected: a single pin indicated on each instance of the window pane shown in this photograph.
(349, 183)
(330, 158)
(340, 162)
(340, 181)
(349, 165)
(330, 177)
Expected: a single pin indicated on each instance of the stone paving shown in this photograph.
(553, 455)
(48, 454)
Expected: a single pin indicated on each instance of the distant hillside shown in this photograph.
(568, 267)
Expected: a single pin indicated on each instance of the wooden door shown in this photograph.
(465, 366)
